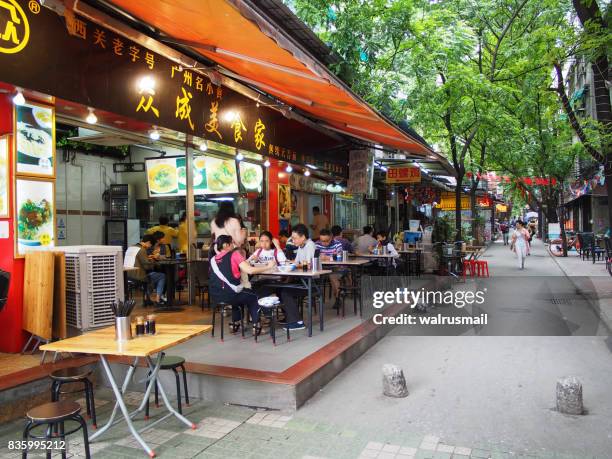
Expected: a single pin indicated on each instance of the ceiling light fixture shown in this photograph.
(307, 173)
(204, 146)
(154, 134)
(91, 118)
(18, 99)
(311, 166)
(230, 116)
(146, 85)
(266, 163)
(288, 169)
(239, 156)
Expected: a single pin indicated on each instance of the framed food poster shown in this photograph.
(284, 201)
(4, 177)
(34, 140)
(199, 175)
(221, 175)
(162, 177)
(34, 214)
(251, 176)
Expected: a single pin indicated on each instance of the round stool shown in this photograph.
(75, 376)
(53, 415)
(172, 362)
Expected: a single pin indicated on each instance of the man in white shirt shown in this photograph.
(305, 253)
(365, 242)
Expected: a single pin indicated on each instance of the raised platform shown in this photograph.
(237, 371)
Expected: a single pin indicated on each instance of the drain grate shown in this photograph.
(561, 301)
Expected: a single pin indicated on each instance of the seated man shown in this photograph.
(365, 242)
(337, 234)
(305, 252)
(328, 248)
(168, 231)
(145, 265)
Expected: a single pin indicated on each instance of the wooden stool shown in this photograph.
(52, 415)
(172, 362)
(75, 376)
(222, 307)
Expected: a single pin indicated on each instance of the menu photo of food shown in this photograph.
(4, 177)
(162, 177)
(199, 175)
(251, 176)
(35, 215)
(221, 175)
(35, 140)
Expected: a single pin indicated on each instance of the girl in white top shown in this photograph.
(269, 249)
(520, 243)
(383, 241)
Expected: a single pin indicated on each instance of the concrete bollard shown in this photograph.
(569, 395)
(394, 383)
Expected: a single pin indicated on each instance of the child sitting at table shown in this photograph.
(225, 285)
(268, 249)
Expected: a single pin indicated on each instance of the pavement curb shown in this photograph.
(591, 295)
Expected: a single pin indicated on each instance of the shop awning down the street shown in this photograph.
(249, 48)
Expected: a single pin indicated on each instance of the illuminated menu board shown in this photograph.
(166, 177)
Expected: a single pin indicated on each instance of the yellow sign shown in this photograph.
(404, 175)
(447, 202)
(15, 32)
(501, 208)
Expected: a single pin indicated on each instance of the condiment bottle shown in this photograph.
(140, 328)
(150, 324)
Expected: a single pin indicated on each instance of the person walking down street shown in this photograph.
(520, 243)
(319, 222)
(505, 230)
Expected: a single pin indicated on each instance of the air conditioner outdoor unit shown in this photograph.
(94, 280)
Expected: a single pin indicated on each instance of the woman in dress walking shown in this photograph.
(520, 243)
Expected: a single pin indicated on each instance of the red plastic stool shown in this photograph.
(482, 267)
(468, 264)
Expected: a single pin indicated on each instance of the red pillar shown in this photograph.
(12, 337)
(276, 175)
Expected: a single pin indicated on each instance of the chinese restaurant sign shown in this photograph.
(77, 60)
(404, 175)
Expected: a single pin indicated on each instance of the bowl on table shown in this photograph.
(286, 268)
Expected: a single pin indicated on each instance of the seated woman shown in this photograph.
(384, 242)
(224, 283)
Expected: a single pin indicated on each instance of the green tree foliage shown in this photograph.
(474, 77)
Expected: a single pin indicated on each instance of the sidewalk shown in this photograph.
(592, 280)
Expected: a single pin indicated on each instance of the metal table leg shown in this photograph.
(308, 284)
(121, 404)
(322, 310)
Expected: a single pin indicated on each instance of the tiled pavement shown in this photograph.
(237, 432)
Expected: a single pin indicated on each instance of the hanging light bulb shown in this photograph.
(307, 173)
(154, 134)
(267, 163)
(288, 169)
(18, 99)
(239, 157)
(91, 118)
(204, 146)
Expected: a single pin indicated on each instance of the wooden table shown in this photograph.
(306, 278)
(386, 257)
(102, 342)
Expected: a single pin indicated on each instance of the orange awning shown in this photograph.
(219, 30)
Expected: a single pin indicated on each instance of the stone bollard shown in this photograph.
(569, 395)
(394, 383)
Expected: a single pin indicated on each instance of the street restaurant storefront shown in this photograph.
(61, 61)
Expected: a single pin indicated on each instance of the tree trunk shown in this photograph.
(474, 214)
(458, 190)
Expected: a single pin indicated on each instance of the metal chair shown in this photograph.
(202, 270)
